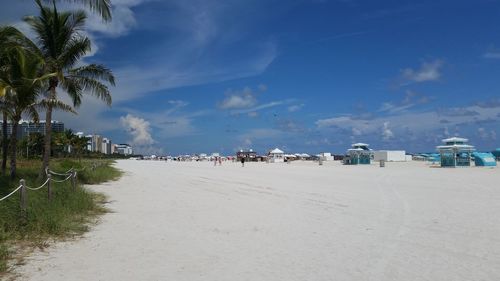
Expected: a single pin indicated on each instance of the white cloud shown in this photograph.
(123, 20)
(172, 122)
(238, 99)
(262, 87)
(296, 107)
(260, 107)
(492, 55)
(356, 132)
(387, 133)
(178, 104)
(486, 135)
(253, 114)
(429, 71)
(392, 108)
(139, 129)
(482, 133)
(416, 122)
(446, 131)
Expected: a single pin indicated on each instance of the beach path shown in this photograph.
(193, 221)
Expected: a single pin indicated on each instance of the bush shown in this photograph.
(69, 213)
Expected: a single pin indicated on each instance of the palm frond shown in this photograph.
(74, 50)
(56, 104)
(93, 87)
(95, 71)
(33, 113)
(74, 91)
(101, 7)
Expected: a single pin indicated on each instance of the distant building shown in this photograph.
(276, 155)
(89, 142)
(124, 149)
(390, 156)
(95, 143)
(27, 128)
(326, 156)
(247, 155)
(106, 146)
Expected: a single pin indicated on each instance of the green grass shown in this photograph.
(68, 214)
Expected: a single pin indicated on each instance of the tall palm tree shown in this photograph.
(24, 80)
(62, 45)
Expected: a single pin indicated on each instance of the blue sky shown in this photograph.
(302, 75)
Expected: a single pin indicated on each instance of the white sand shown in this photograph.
(193, 221)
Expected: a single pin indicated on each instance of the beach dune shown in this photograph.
(193, 221)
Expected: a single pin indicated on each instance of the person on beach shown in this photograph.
(220, 161)
(215, 161)
(242, 161)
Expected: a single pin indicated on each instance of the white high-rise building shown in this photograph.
(124, 149)
(106, 146)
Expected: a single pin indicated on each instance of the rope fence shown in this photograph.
(40, 187)
(10, 194)
(71, 174)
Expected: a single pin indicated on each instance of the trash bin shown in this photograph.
(382, 163)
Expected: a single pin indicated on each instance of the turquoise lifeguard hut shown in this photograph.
(360, 153)
(455, 152)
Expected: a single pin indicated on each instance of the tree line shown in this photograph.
(35, 71)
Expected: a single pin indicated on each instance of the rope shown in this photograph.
(70, 173)
(67, 172)
(63, 179)
(7, 196)
(40, 187)
(59, 174)
(80, 170)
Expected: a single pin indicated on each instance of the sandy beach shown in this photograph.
(193, 221)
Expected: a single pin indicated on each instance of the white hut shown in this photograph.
(276, 155)
(390, 156)
(326, 156)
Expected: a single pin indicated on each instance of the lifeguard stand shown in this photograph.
(455, 152)
(359, 154)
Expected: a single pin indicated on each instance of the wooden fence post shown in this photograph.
(49, 187)
(23, 201)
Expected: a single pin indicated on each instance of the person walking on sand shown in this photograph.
(215, 161)
(242, 161)
(220, 161)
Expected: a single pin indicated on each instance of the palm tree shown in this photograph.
(24, 80)
(63, 46)
(7, 35)
(22, 97)
(102, 7)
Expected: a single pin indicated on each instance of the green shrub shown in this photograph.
(68, 213)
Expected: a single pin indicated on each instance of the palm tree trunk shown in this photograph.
(13, 148)
(48, 133)
(5, 145)
(47, 139)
